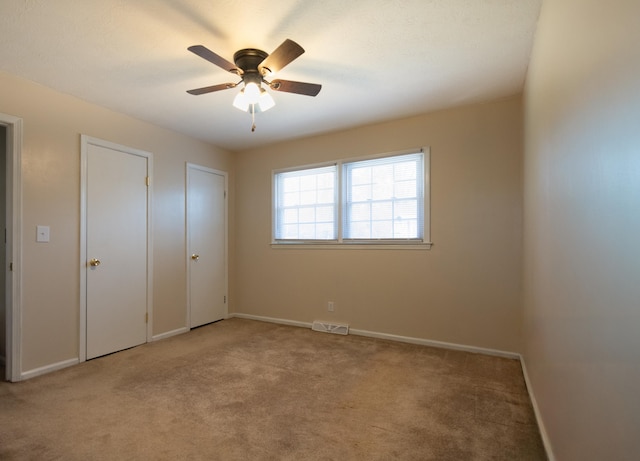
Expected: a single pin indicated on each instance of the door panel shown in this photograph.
(206, 228)
(116, 232)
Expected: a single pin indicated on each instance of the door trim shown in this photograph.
(188, 168)
(85, 142)
(13, 278)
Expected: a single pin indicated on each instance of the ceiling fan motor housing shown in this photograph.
(248, 60)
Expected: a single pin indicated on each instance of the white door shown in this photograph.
(206, 255)
(116, 249)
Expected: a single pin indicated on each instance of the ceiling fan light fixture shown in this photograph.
(252, 92)
(241, 101)
(266, 101)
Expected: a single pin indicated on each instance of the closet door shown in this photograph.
(116, 266)
(206, 237)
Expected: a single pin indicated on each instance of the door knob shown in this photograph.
(195, 257)
(94, 262)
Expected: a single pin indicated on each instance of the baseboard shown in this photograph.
(433, 343)
(293, 323)
(168, 334)
(536, 410)
(387, 336)
(48, 368)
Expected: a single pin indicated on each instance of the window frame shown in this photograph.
(341, 242)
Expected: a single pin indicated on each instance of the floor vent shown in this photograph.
(335, 328)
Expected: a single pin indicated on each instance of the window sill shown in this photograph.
(351, 246)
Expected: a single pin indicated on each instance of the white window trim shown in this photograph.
(340, 244)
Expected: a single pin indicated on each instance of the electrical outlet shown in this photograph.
(330, 306)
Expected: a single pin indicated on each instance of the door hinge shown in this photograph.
(225, 300)
(146, 318)
(225, 194)
(11, 267)
(147, 181)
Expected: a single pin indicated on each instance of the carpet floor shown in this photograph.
(247, 390)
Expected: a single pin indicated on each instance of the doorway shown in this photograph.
(206, 245)
(3, 251)
(11, 205)
(115, 235)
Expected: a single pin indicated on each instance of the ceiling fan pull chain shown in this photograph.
(253, 118)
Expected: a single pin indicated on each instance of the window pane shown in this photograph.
(405, 189)
(308, 197)
(384, 198)
(291, 216)
(291, 199)
(326, 181)
(307, 214)
(289, 231)
(381, 229)
(308, 182)
(326, 196)
(405, 209)
(381, 211)
(405, 228)
(405, 170)
(291, 185)
(361, 230)
(382, 191)
(325, 214)
(382, 174)
(361, 176)
(305, 204)
(324, 231)
(361, 212)
(307, 231)
(361, 193)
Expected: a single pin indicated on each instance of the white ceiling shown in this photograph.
(376, 59)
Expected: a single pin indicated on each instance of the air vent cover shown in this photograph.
(336, 328)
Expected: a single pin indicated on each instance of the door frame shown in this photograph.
(188, 168)
(85, 142)
(13, 277)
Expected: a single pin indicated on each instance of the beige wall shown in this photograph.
(52, 126)
(582, 227)
(465, 290)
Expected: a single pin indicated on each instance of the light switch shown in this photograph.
(42, 234)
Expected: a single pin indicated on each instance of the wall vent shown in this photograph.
(335, 328)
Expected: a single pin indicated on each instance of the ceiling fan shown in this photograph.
(254, 67)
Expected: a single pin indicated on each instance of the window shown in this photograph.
(306, 204)
(371, 201)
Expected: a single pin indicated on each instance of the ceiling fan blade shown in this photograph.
(211, 89)
(281, 56)
(206, 53)
(288, 86)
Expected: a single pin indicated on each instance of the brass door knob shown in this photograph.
(195, 257)
(94, 262)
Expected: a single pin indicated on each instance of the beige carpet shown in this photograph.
(246, 390)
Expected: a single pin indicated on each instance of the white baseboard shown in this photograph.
(67, 363)
(48, 368)
(293, 323)
(168, 334)
(536, 410)
(433, 343)
(387, 336)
